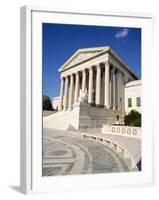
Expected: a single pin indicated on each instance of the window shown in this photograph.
(138, 102)
(129, 102)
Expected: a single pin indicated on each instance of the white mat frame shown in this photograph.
(31, 91)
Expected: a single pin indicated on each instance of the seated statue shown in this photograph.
(83, 96)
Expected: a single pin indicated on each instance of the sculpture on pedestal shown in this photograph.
(83, 96)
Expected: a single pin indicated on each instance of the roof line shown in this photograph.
(105, 49)
(84, 50)
(122, 62)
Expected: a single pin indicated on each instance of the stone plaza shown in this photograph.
(69, 154)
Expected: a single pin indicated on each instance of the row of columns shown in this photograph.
(111, 83)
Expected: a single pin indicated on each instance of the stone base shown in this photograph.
(82, 116)
(94, 117)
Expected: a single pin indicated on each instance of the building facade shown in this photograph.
(99, 73)
(56, 103)
(133, 95)
(93, 87)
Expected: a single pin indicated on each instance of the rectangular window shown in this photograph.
(138, 102)
(129, 102)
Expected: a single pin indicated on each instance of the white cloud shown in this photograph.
(123, 33)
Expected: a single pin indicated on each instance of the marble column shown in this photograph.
(76, 87)
(110, 89)
(119, 91)
(71, 91)
(90, 86)
(123, 91)
(83, 80)
(114, 89)
(98, 85)
(107, 86)
(66, 94)
(61, 94)
(111, 93)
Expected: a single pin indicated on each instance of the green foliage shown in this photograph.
(133, 119)
(47, 103)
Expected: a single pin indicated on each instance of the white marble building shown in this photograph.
(133, 95)
(56, 103)
(93, 87)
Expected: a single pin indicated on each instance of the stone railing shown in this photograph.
(118, 148)
(128, 131)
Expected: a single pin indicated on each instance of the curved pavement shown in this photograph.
(66, 153)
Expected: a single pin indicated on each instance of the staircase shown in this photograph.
(62, 120)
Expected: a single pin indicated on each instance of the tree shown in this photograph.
(47, 103)
(133, 119)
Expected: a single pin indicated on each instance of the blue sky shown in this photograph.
(60, 41)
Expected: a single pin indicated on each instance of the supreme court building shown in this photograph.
(92, 89)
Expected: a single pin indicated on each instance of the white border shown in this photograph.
(31, 85)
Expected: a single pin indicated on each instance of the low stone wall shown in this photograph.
(82, 116)
(48, 112)
(128, 131)
(127, 154)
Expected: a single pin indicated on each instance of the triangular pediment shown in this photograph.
(82, 55)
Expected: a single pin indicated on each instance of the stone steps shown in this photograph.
(61, 121)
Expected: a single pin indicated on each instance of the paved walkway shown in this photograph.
(66, 153)
(131, 145)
